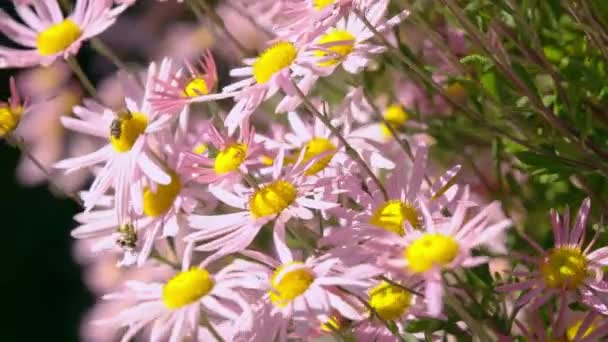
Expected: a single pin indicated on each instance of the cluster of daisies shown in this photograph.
(363, 227)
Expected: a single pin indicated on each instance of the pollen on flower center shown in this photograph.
(272, 198)
(230, 158)
(57, 37)
(392, 215)
(196, 87)
(572, 331)
(273, 60)
(321, 4)
(9, 119)
(125, 130)
(200, 148)
(340, 51)
(395, 116)
(159, 202)
(389, 301)
(187, 287)
(312, 149)
(429, 250)
(334, 323)
(564, 267)
(287, 286)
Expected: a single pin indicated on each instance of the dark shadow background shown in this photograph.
(43, 296)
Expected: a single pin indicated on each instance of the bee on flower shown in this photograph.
(47, 35)
(158, 210)
(127, 156)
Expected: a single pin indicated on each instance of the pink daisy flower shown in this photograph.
(174, 309)
(279, 200)
(390, 302)
(11, 111)
(159, 210)
(401, 211)
(127, 156)
(305, 20)
(264, 76)
(299, 296)
(48, 35)
(233, 157)
(345, 43)
(564, 325)
(314, 139)
(178, 86)
(568, 270)
(439, 244)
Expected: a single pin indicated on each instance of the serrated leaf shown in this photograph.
(483, 62)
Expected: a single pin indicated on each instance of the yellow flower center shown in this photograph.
(272, 198)
(200, 148)
(57, 37)
(9, 119)
(321, 4)
(196, 87)
(290, 285)
(230, 158)
(341, 50)
(313, 148)
(395, 116)
(273, 60)
(159, 202)
(573, 330)
(334, 323)
(389, 301)
(392, 215)
(564, 267)
(429, 250)
(125, 130)
(266, 160)
(187, 287)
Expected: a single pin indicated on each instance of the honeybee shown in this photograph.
(116, 125)
(127, 237)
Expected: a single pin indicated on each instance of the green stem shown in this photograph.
(19, 143)
(105, 51)
(403, 143)
(374, 313)
(350, 151)
(80, 74)
(205, 321)
(162, 259)
(475, 327)
(472, 114)
(219, 22)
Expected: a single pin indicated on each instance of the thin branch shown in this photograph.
(350, 151)
(80, 74)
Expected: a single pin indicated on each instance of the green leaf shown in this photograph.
(483, 62)
(546, 164)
